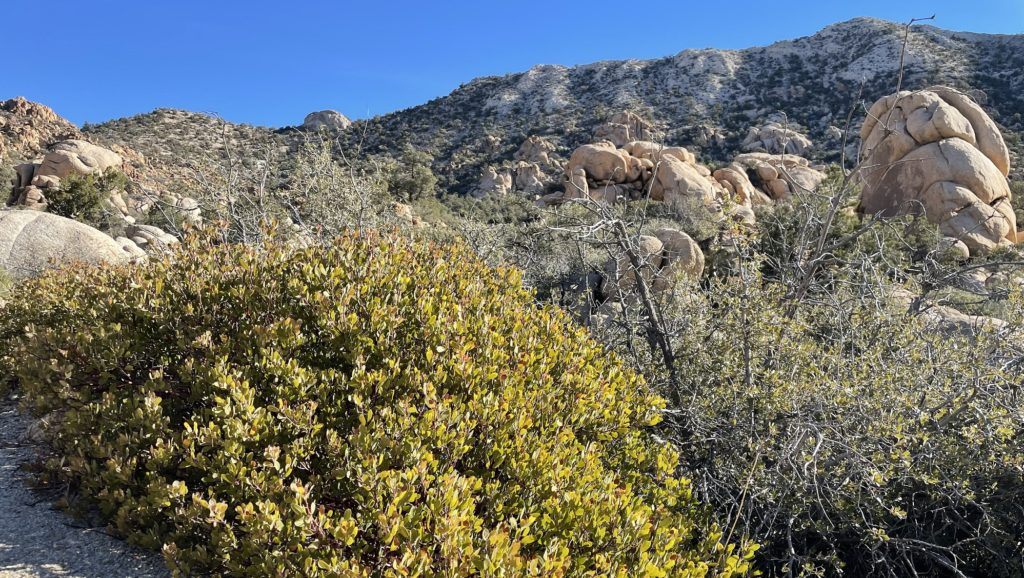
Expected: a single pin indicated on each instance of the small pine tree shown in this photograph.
(413, 178)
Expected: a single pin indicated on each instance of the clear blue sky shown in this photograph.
(270, 62)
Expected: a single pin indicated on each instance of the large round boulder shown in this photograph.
(620, 274)
(676, 180)
(329, 119)
(32, 241)
(936, 152)
(682, 256)
(77, 157)
(603, 163)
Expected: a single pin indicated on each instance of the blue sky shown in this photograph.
(270, 62)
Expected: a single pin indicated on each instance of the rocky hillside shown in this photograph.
(28, 128)
(711, 101)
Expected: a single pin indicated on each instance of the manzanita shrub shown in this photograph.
(373, 408)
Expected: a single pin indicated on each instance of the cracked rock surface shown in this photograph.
(936, 152)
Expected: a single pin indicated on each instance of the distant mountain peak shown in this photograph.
(812, 82)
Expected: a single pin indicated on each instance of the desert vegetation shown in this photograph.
(375, 406)
(463, 345)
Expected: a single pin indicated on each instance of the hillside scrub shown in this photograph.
(82, 197)
(375, 407)
(811, 406)
(847, 436)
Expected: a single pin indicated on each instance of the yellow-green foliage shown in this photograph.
(377, 408)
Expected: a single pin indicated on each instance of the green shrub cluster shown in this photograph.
(817, 413)
(81, 197)
(412, 177)
(1017, 200)
(373, 408)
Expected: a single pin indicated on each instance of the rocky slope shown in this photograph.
(698, 97)
(708, 100)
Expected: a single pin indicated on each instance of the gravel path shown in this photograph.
(37, 541)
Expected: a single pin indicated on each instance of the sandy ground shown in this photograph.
(37, 541)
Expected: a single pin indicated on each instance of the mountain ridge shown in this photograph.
(705, 99)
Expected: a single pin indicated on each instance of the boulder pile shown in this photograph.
(664, 256)
(936, 152)
(775, 138)
(625, 127)
(535, 150)
(493, 181)
(605, 173)
(33, 180)
(766, 178)
(533, 166)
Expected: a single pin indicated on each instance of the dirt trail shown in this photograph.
(37, 541)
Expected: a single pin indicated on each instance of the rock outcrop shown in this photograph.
(664, 257)
(626, 127)
(775, 138)
(777, 177)
(938, 153)
(536, 150)
(493, 181)
(32, 242)
(605, 173)
(33, 180)
(328, 119)
(76, 157)
(28, 128)
(528, 178)
(602, 172)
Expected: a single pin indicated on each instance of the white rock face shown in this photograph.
(329, 119)
(32, 242)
